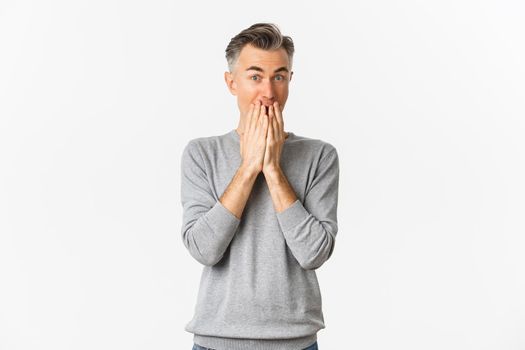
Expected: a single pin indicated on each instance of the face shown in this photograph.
(260, 75)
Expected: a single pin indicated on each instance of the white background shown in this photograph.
(424, 101)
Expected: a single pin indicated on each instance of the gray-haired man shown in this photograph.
(259, 210)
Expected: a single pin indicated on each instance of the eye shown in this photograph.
(254, 76)
(279, 76)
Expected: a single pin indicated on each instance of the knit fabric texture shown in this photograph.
(258, 289)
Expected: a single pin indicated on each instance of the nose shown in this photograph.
(267, 93)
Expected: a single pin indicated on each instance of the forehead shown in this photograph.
(254, 56)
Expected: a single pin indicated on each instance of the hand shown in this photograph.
(253, 139)
(274, 140)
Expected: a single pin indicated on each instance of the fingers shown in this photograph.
(278, 120)
(248, 120)
(274, 126)
(254, 117)
(265, 125)
(271, 127)
(262, 118)
(262, 111)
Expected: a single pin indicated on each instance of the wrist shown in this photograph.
(248, 171)
(272, 172)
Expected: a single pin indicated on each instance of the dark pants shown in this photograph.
(198, 347)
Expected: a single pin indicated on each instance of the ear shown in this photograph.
(230, 83)
(291, 75)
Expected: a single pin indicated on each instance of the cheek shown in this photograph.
(248, 96)
(248, 93)
(283, 92)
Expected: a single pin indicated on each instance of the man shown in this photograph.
(259, 210)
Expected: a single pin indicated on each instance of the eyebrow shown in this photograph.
(259, 69)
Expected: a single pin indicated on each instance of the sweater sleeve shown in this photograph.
(208, 227)
(310, 228)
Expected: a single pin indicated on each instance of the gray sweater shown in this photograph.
(258, 288)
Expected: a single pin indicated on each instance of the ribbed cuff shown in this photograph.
(292, 216)
(218, 343)
(220, 219)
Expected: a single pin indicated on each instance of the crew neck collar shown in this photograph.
(237, 137)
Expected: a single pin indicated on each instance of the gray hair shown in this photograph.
(266, 36)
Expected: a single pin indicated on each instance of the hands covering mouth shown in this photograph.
(266, 106)
(263, 137)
